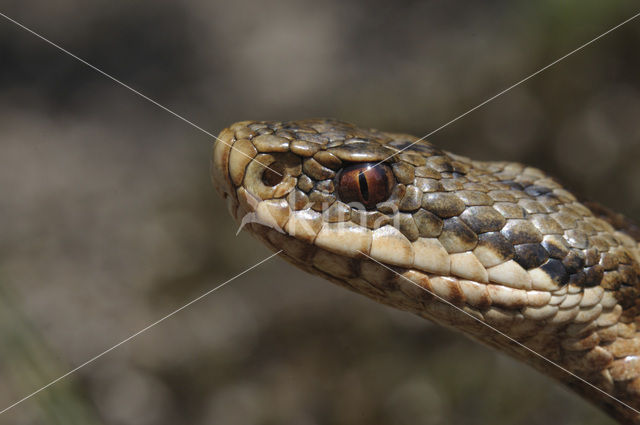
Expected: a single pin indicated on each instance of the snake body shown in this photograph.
(460, 242)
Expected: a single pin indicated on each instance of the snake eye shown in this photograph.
(366, 183)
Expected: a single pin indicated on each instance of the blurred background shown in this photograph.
(109, 221)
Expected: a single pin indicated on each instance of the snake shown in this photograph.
(497, 250)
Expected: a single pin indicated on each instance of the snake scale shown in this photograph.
(460, 242)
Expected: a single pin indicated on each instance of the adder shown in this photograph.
(497, 250)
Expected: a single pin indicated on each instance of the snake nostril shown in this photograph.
(274, 174)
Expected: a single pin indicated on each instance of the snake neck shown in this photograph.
(599, 359)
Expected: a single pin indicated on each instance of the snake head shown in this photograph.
(332, 170)
(326, 183)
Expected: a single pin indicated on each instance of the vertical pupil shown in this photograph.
(364, 188)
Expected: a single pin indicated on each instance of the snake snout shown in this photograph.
(250, 168)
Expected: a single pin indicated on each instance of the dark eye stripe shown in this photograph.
(365, 183)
